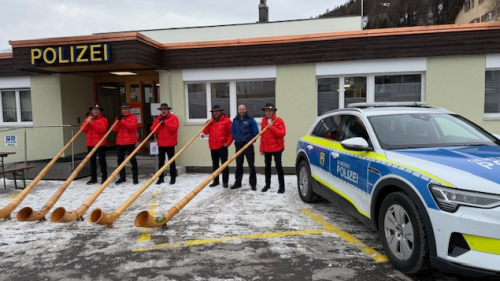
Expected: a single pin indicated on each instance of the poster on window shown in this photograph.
(136, 109)
(10, 141)
(153, 148)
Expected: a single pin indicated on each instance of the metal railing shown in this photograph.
(25, 129)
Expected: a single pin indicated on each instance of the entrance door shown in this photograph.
(110, 97)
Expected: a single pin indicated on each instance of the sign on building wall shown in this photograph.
(10, 141)
(71, 54)
(153, 148)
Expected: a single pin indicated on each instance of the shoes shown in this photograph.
(235, 186)
(265, 188)
(254, 187)
(104, 180)
(136, 180)
(172, 181)
(281, 190)
(225, 185)
(214, 184)
(120, 181)
(160, 181)
(92, 181)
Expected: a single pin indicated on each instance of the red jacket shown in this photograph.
(127, 130)
(95, 130)
(273, 139)
(166, 134)
(219, 132)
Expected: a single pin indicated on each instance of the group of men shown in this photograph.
(243, 129)
(221, 130)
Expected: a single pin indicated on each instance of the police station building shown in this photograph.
(304, 67)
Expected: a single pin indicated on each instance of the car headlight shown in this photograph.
(449, 199)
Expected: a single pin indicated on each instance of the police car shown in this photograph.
(426, 179)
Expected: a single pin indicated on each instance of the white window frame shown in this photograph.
(18, 109)
(224, 75)
(492, 64)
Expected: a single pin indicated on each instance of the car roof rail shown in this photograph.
(387, 104)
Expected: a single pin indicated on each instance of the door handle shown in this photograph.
(309, 147)
(335, 154)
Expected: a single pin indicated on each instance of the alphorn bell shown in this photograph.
(144, 219)
(60, 214)
(99, 217)
(27, 214)
(7, 210)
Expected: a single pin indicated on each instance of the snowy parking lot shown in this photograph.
(222, 234)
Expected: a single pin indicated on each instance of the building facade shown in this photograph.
(304, 73)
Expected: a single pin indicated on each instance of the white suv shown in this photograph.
(426, 179)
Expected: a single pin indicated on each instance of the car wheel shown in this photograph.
(402, 233)
(304, 183)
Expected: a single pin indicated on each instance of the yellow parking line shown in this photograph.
(378, 257)
(13, 195)
(232, 238)
(328, 227)
(146, 236)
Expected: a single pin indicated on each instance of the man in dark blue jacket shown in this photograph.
(243, 130)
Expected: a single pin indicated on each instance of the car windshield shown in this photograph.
(417, 130)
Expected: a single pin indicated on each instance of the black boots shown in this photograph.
(266, 188)
(120, 180)
(281, 189)
(214, 184)
(104, 178)
(92, 181)
(172, 180)
(135, 177)
(160, 180)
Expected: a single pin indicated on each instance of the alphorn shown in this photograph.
(99, 217)
(27, 213)
(144, 219)
(61, 215)
(7, 210)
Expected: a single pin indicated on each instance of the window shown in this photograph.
(487, 17)
(338, 92)
(353, 127)
(394, 88)
(476, 20)
(492, 92)
(479, 2)
(253, 94)
(328, 128)
(328, 94)
(16, 106)
(468, 5)
(197, 101)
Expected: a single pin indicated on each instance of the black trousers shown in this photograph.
(120, 153)
(101, 152)
(170, 151)
(220, 154)
(277, 161)
(249, 153)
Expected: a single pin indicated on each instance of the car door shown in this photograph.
(350, 167)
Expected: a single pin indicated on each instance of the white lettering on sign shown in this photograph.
(487, 162)
(347, 174)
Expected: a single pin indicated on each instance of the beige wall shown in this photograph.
(457, 84)
(76, 98)
(476, 12)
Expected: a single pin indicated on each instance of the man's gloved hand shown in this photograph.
(119, 117)
(163, 118)
(90, 119)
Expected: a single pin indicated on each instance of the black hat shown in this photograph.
(125, 105)
(216, 107)
(269, 106)
(164, 105)
(96, 106)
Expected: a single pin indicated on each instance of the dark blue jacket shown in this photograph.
(244, 129)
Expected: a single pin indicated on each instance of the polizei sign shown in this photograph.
(71, 54)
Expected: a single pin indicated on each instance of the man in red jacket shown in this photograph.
(166, 136)
(96, 128)
(125, 141)
(219, 139)
(272, 144)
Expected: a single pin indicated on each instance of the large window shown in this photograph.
(492, 92)
(390, 88)
(16, 106)
(338, 92)
(253, 94)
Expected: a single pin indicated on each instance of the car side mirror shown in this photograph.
(357, 144)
